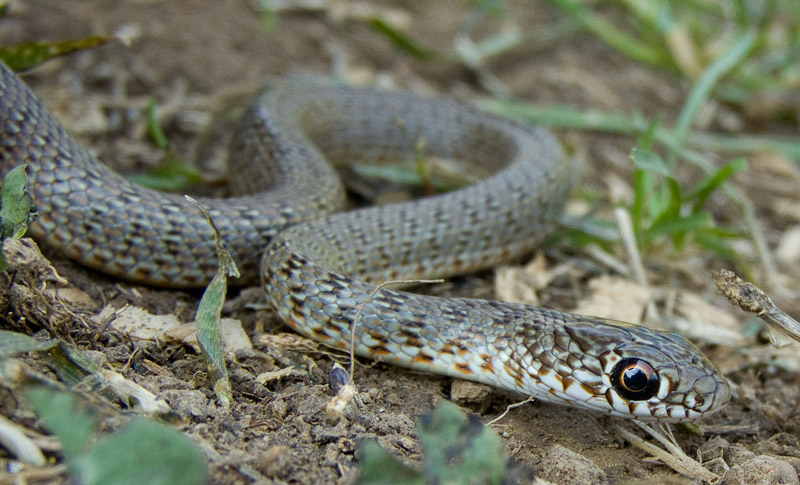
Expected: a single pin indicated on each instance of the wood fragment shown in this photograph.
(753, 299)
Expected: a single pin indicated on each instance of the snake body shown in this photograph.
(320, 268)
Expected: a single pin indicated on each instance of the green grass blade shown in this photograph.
(718, 244)
(700, 193)
(744, 143)
(154, 127)
(606, 31)
(566, 116)
(634, 125)
(671, 226)
(650, 161)
(642, 186)
(14, 343)
(705, 84)
(172, 175)
(401, 40)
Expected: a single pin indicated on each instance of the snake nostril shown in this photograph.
(635, 379)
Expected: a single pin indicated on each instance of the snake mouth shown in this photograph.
(706, 396)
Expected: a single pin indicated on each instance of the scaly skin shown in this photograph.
(319, 268)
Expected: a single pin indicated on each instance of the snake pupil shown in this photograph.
(634, 379)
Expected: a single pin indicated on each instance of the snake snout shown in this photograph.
(709, 394)
(696, 389)
(650, 375)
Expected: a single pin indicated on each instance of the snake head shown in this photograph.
(633, 372)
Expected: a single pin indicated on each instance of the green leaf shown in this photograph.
(154, 127)
(713, 181)
(17, 210)
(419, 176)
(717, 241)
(458, 449)
(633, 124)
(69, 364)
(674, 199)
(269, 15)
(658, 203)
(379, 467)
(172, 175)
(209, 334)
(25, 56)
(401, 40)
(65, 416)
(616, 38)
(642, 188)
(14, 343)
(142, 452)
(701, 91)
(674, 209)
(673, 226)
(650, 161)
(646, 138)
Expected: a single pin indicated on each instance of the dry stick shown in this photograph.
(629, 241)
(509, 408)
(625, 226)
(21, 447)
(608, 260)
(347, 391)
(28, 475)
(361, 309)
(752, 299)
(675, 458)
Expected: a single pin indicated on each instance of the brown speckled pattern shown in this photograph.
(319, 269)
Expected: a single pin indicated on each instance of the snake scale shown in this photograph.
(320, 266)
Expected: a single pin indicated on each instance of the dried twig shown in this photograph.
(509, 408)
(343, 384)
(752, 299)
(672, 456)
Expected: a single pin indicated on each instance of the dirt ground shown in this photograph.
(203, 60)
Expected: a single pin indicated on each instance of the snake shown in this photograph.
(321, 267)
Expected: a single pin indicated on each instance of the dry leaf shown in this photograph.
(615, 298)
(143, 325)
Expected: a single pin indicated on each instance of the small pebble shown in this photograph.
(762, 470)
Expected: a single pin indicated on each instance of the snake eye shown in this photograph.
(634, 379)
